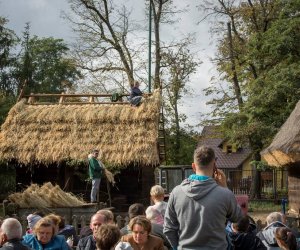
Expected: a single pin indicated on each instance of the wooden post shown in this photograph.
(31, 99)
(91, 99)
(22, 91)
(108, 191)
(61, 99)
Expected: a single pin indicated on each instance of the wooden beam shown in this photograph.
(79, 103)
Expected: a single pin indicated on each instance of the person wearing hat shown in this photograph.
(32, 219)
(95, 172)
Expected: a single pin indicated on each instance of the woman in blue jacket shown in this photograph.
(44, 238)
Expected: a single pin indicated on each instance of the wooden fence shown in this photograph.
(78, 99)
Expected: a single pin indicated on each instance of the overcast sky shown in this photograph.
(45, 21)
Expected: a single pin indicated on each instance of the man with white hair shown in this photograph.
(11, 235)
(267, 235)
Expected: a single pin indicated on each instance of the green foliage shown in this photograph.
(43, 62)
(179, 64)
(267, 53)
(75, 163)
(6, 102)
(188, 142)
(8, 41)
(45, 65)
(81, 168)
(260, 165)
(282, 193)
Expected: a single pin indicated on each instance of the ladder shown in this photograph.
(161, 136)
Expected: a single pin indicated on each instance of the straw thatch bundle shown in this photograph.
(45, 196)
(53, 133)
(109, 176)
(285, 147)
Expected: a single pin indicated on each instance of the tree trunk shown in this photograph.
(177, 135)
(156, 18)
(255, 191)
(235, 81)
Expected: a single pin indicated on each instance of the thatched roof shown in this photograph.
(53, 133)
(285, 147)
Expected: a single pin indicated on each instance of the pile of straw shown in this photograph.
(45, 196)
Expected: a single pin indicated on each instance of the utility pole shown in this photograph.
(149, 48)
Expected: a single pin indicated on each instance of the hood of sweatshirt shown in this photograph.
(198, 189)
(240, 240)
(269, 232)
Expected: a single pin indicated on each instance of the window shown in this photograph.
(229, 149)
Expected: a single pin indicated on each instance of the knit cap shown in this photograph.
(32, 220)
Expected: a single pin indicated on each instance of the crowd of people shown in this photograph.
(201, 213)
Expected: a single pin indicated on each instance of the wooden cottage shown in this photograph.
(233, 160)
(51, 142)
(284, 151)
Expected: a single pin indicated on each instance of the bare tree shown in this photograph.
(163, 12)
(103, 30)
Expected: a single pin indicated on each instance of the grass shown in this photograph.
(263, 206)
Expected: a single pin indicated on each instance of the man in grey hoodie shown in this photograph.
(199, 207)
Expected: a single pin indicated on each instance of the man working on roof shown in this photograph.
(198, 208)
(95, 172)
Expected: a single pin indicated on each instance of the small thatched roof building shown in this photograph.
(285, 147)
(48, 135)
(53, 133)
(284, 151)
